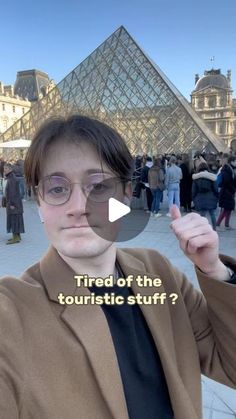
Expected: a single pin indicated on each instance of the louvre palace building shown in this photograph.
(16, 100)
(213, 101)
(118, 83)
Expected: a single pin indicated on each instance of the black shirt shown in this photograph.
(144, 383)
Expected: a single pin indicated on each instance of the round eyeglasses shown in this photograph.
(57, 190)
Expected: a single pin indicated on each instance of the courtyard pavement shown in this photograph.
(219, 402)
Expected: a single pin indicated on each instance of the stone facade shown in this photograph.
(213, 100)
(12, 107)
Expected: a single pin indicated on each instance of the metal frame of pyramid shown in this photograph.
(120, 85)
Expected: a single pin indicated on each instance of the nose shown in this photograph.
(76, 205)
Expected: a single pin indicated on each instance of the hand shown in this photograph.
(12, 207)
(199, 242)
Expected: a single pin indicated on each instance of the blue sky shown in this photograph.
(179, 35)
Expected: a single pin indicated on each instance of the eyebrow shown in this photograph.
(89, 172)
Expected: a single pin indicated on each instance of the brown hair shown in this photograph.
(110, 146)
(157, 162)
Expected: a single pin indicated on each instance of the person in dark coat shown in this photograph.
(18, 170)
(1, 168)
(14, 207)
(205, 192)
(144, 180)
(156, 179)
(186, 184)
(227, 191)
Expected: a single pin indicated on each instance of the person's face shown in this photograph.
(68, 225)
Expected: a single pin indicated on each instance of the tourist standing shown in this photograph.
(19, 173)
(1, 168)
(186, 184)
(156, 178)
(205, 192)
(227, 192)
(144, 180)
(14, 207)
(172, 180)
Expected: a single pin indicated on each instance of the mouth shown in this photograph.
(77, 227)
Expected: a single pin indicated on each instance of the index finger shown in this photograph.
(175, 212)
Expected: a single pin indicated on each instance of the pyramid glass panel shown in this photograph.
(120, 85)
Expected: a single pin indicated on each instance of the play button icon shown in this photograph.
(109, 217)
(116, 210)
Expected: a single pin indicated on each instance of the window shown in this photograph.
(212, 102)
(14, 108)
(223, 101)
(23, 110)
(211, 125)
(200, 102)
(222, 128)
(4, 124)
(3, 106)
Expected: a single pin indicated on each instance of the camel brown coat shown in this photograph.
(59, 362)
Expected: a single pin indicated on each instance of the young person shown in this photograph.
(144, 179)
(205, 192)
(227, 192)
(172, 182)
(14, 207)
(126, 361)
(156, 177)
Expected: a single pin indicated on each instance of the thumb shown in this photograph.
(175, 212)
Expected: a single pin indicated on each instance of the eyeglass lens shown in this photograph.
(56, 190)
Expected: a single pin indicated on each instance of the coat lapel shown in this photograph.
(89, 325)
(159, 322)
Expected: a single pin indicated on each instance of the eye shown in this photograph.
(57, 190)
(96, 188)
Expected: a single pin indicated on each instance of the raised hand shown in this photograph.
(199, 242)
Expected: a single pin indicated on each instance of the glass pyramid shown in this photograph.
(119, 84)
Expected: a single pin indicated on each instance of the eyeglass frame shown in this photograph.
(118, 179)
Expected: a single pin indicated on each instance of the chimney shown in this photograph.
(9, 90)
(229, 76)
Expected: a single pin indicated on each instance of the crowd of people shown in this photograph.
(202, 184)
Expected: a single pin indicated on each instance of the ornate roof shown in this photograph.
(212, 78)
(29, 84)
